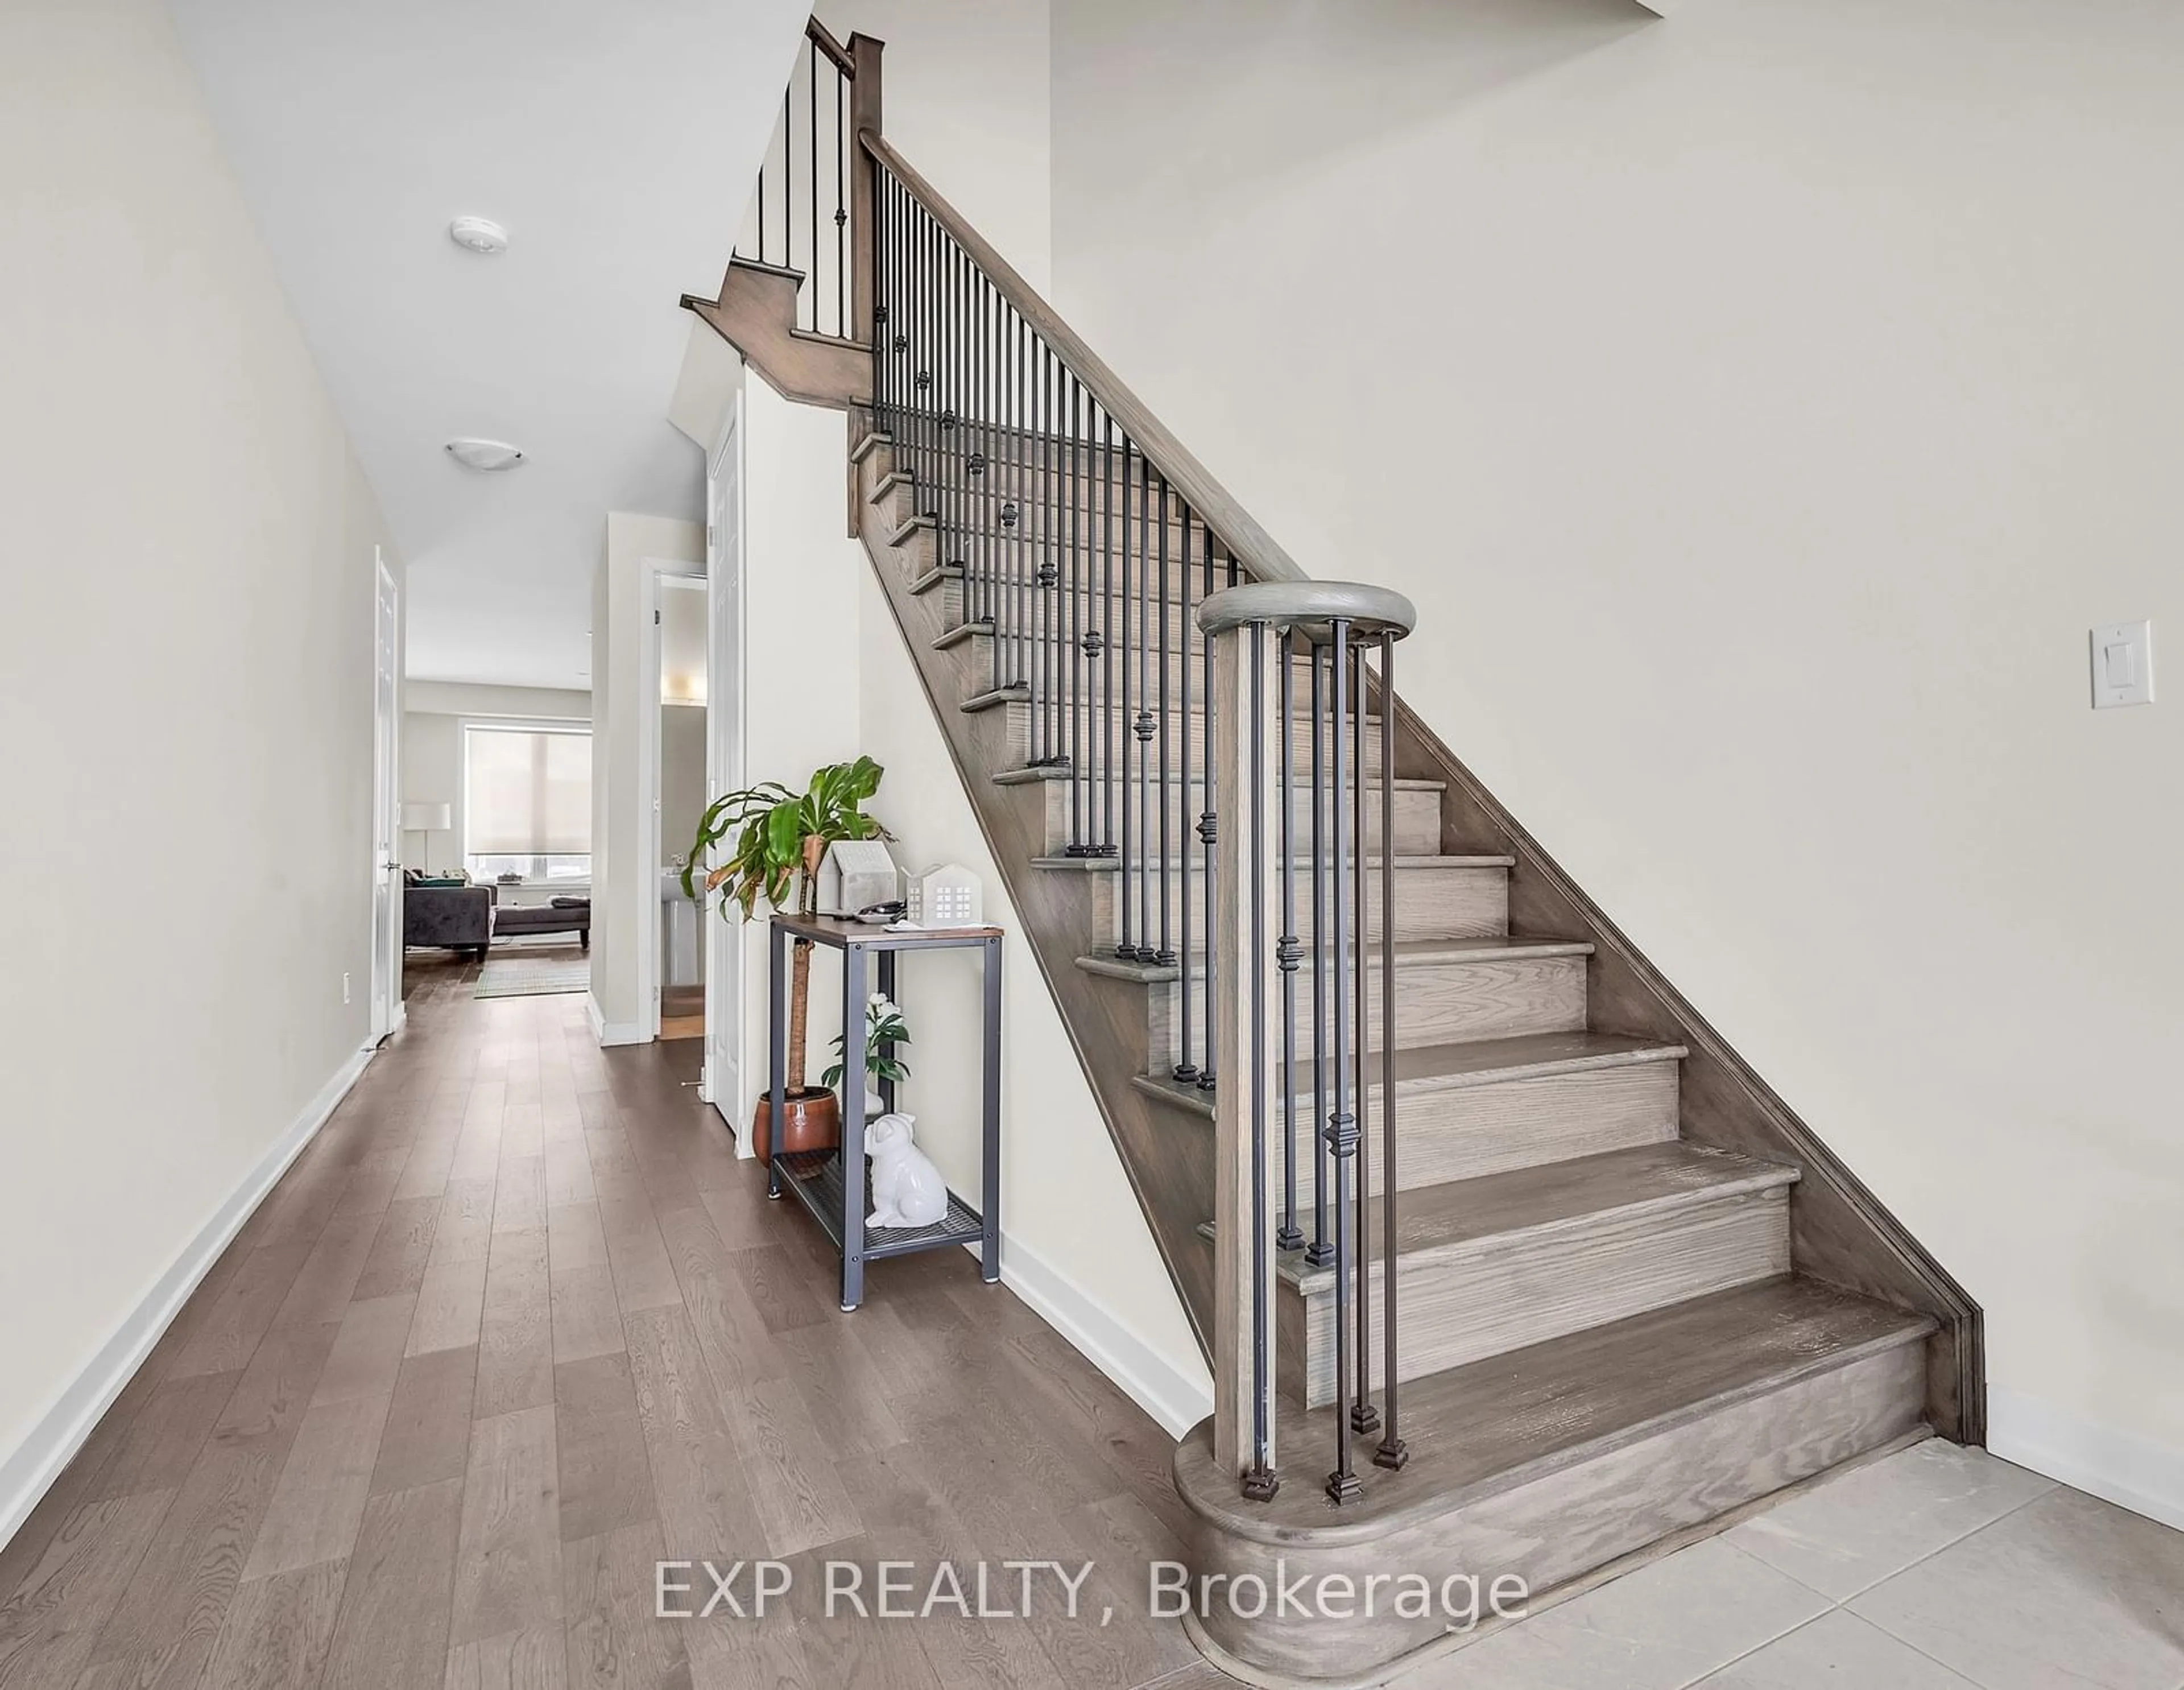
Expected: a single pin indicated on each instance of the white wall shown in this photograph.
(1760, 406)
(433, 714)
(186, 686)
(624, 889)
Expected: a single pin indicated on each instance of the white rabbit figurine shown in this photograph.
(907, 1189)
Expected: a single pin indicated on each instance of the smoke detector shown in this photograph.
(485, 454)
(478, 235)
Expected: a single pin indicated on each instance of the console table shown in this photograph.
(831, 1183)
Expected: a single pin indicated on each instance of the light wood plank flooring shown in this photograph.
(516, 1326)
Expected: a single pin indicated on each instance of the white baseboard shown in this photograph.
(613, 1032)
(2120, 1467)
(30, 1469)
(1177, 1399)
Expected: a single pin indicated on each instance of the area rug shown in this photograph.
(514, 975)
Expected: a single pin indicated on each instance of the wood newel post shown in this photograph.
(864, 116)
(1245, 926)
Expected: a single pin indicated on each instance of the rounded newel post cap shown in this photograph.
(1311, 608)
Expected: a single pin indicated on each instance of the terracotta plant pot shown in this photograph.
(813, 1122)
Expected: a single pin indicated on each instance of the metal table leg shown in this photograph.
(852, 1128)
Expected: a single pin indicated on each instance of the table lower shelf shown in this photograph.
(816, 1177)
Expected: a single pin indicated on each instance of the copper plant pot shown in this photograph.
(813, 1117)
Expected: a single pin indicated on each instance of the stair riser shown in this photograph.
(1475, 1130)
(1441, 1003)
(1430, 903)
(1484, 1300)
(1417, 820)
(1563, 1525)
(1177, 723)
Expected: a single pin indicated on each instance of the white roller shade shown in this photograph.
(530, 792)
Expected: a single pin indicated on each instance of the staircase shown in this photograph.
(1386, 1084)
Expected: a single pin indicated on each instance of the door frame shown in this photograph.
(648, 960)
(726, 732)
(386, 1011)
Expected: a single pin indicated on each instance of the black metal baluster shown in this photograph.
(788, 176)
(1141, 723)
(811, 157)
(1084, 823)
(1322, 1251)
(1014, 524)
(842, 217)
(1259, 1483)
(1120, 713)
(883, 360)
(1186, 1065)
(1287, 950)
(1170, 864)
(1393, 1452)
(1342, 1484)
(1363, 1417)
(971, 430)
(1106, 473)
(1209, 823)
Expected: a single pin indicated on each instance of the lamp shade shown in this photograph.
(425, 818)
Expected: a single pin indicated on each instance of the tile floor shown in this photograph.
(1936, 1569)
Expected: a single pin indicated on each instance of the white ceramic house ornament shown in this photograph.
(855, 875)
(946, 895)
(907, 1189)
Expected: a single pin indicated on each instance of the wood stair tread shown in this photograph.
(1491, 1425)
(1489, 1062)
(1466, 1214)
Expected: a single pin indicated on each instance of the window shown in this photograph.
(528, 803)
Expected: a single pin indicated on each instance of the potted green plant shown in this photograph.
(885, 1031)
(775, 840)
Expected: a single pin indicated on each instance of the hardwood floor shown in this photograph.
(517, 1327)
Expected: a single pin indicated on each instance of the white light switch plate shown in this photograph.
(2123, 664)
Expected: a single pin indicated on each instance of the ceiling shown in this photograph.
(617, 143)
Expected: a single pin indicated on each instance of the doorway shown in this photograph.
(386, 1014)
(681, 795)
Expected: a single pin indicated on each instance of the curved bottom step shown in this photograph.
(1546, 1463)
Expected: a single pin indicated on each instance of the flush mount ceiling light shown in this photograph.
(478, 235)
(485, 454)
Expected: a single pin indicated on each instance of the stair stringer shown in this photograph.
(1170, 1172)
(1840, 1233)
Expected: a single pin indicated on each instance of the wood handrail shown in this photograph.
(823, 38)
(1252, 547)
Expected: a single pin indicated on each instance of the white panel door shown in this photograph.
(386, 811)
(723, 1086)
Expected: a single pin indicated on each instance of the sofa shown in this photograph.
(453, 917)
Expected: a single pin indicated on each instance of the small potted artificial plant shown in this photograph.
(884, 1031)
(776, 839)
